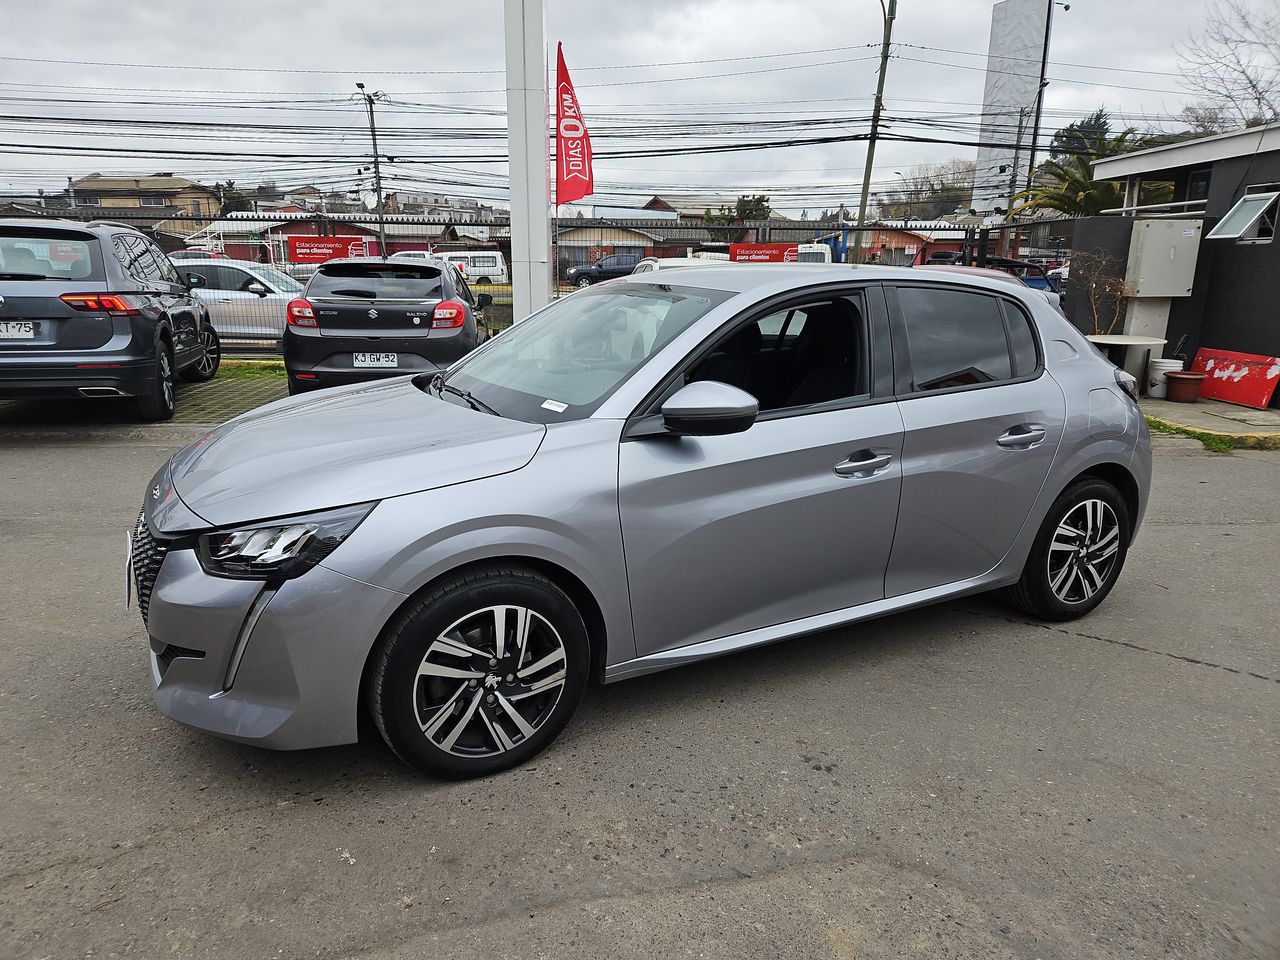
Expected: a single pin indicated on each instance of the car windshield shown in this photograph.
(381, 281)
(281, 281)
(48, 255)
(564, 361)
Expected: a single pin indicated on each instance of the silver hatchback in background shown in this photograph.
(652, 471)
(246, 300)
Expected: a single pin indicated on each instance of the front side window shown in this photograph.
(565, 360)
(806, 355)
(955, 338)
(282, 282)
(215, 277)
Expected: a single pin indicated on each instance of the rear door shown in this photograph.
(982, 423)
(37, 266)
(375, 300)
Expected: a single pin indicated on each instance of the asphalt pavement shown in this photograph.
(954, 782)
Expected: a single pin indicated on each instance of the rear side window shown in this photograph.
(955, 338)
(1022, 341)
(144, 262)
(220, 278)
(391, 281)
(27, 254)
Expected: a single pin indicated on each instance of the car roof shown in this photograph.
(973, 271)
(683, 261)
(63, 223)
(372, 261)
(228, 262)
(765, 279)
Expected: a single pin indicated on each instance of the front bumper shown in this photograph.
(298, 652)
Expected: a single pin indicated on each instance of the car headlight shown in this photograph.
(278, 549)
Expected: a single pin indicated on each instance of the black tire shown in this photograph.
(1084, 568)
(296, 388)
(157, 404)
(206, 368)
(472, 706)
(485, 280)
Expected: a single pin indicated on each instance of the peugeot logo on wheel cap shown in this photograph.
(1, 301)
(491, 682)
(373, 314)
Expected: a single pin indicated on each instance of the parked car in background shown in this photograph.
(97, 310)
(813, 253)
(479, 266)
(196, 254)
(246, 300)
(454, 555)
(606, 268)
(300, 271)
(370, 318)
(1055, 300)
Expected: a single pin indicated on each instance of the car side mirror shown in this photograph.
(195, 280)
(257, 288)
(708, 408)
(483, 300)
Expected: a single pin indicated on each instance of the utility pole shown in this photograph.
(377, 169)
(889, 15)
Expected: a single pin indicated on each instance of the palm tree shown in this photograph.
(1068, 187)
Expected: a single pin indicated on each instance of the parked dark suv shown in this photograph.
(606, 268)
(97, 310)
(368, 318)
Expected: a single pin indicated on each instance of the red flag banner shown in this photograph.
(573, 144)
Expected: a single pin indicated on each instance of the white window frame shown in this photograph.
(151, 201)
(1248, 232)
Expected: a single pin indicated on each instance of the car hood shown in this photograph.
(349, 445)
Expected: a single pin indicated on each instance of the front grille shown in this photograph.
(148, 554)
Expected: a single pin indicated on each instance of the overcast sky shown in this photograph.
(815, 58)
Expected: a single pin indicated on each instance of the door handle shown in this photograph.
(225, 300)
(864, 463)
(1022, 436)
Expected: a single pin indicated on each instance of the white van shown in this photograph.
(813, 253)
(479, 266)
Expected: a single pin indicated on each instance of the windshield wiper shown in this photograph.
(24, 276)
(474, 402)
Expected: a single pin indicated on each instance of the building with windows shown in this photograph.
(157, 191)
(1228, 186)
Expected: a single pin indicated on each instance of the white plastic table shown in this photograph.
(1117, 346)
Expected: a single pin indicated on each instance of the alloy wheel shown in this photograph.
(489, 681)
(1083, 551)
(208, 362)
(166, 377)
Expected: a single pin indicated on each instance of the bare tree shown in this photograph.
(929, 191)
(1207, 119)
(1097, 277)
(1235, 61)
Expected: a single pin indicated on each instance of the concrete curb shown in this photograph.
(1238, 441)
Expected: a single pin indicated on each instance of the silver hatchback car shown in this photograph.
(652, 471)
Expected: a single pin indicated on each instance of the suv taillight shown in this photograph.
(300, 313)
(448, 313)
(113, 304)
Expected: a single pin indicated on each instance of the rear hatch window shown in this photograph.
(34, 254)
(391, 281)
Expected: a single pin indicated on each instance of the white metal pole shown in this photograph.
(526, 43)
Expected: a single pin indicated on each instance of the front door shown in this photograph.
(791, 518)
(982, 422)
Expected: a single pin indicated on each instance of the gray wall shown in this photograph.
(1095, 235)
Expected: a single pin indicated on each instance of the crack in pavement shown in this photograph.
(1120, 643)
